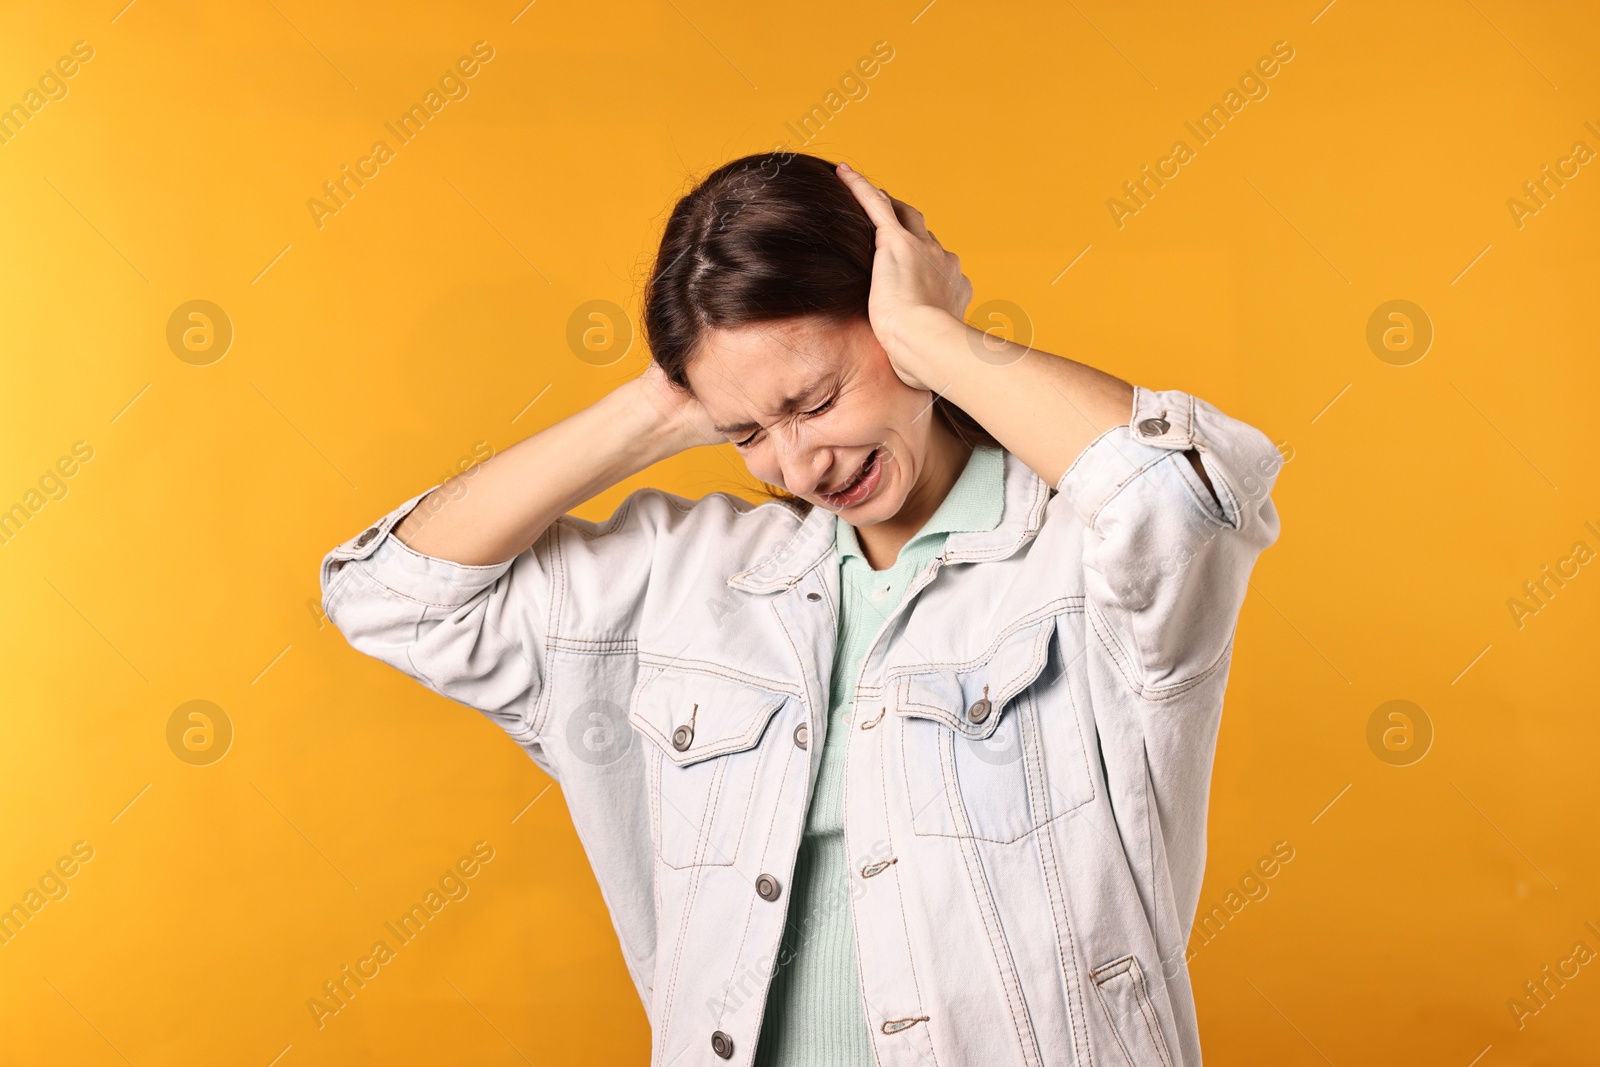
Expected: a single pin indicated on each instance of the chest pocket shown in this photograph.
(992, 748)
(703, 758)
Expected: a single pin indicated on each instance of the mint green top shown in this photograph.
(814, 1015)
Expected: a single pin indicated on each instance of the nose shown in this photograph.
(802, 465)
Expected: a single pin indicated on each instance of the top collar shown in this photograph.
(1021, 515)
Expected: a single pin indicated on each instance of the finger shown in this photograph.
(910, 217)
(878, 204)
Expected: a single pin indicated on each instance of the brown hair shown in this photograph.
(768, 236)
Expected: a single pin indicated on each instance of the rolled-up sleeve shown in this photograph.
(1167, 563)
(480, 634)
(472, 633)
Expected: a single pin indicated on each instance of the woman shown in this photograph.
(910, 765)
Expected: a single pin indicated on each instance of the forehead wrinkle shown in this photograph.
(790, 404)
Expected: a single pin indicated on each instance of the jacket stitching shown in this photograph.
(750, 907)
(1105, 1008)
(899, 897)
(1079, 458)
(1033, 620)
(805, 681)
(424, 557)
(1078, 715)
(1157, 694)
(1059, 916)
(1041, 816)
(1026, 676)
(415, 599)
(1066, 952)
(1128, 479)
(983, 900)
(594, 645)
(558, 583)
(749, 794)
(704, 667)
(1032, 523)
(741, 743)
(652, 774)
(690, 892)
(1147, 1010)
(708, 819)
(952, 786)
(983, 897)
(416, 635)
(538, 717)
(1036, 777)
(1120, 659)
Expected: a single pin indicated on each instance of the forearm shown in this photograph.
(1044, 409)
(502, 506)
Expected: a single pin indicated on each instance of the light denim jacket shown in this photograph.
(1026, 778)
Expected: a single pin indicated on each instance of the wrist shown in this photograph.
(921, 343)
(650, 431)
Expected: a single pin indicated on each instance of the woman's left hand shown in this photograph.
(911, 273)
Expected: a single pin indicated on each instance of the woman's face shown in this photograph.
(814, 406)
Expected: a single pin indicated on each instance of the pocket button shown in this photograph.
(979, 711)
(681, 737)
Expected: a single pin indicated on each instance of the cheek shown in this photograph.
(905, 419)
(763, 464)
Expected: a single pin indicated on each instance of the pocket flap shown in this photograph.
(947, 692)
(693, 714)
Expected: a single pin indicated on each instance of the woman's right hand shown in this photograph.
(681, 417)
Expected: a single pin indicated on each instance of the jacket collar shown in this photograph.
(1026, 495)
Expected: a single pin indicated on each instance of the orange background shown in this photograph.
(371, 354)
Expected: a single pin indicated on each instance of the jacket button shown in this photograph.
(813, 596)
(681, 737)
(979, 711)
(767, 887)
(1154, 427)
(721, 1044)
(802, 736)
(366, 537)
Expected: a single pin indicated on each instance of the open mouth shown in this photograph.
(866, 480)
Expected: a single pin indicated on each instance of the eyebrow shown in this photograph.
(790, 404)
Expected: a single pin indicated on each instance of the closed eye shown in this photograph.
(814, 411)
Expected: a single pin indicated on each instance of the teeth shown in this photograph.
(859, 472)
